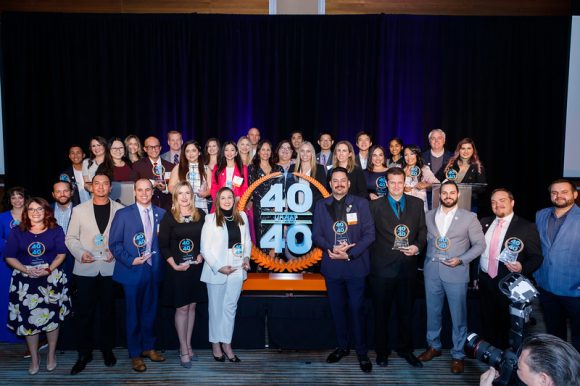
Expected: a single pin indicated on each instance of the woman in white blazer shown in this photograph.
(225, 247)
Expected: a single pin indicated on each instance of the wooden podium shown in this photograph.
(285, 282)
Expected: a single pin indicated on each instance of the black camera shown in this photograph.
(503, 361)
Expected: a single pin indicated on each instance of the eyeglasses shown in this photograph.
(36, 210)
(153, 147)
(117, 148)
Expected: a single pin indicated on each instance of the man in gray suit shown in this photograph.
(175, 141)
(454, 238)
(87, 239)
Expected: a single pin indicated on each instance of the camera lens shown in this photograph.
(479, 349)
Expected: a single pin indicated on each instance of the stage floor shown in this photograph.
(257, 367)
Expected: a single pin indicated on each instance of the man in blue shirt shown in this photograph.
(559, 275)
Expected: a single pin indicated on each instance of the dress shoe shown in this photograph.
(411, 359)
(220, 359)
(383, 360)
(138, 365)
(192, 355)
(187, 364)
(457, 366)
(153, 355)
(81, 363)
(109, 358)
(337, 355)
(365, 363)
(429, 354)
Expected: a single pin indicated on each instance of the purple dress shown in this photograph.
(36, 304)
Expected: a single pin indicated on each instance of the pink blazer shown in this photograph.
(221, 181)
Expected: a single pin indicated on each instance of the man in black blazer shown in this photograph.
(393, 271)
(495, 317)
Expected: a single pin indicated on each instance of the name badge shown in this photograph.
(351, 218)
(237, 181)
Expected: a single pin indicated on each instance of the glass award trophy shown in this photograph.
(381, 184)
(442, 244)
(451, 174)
(512, 247)
(140, 241)
(99, 250)
(191, 177)
(186, 249)
(237, 254)
(340, 229)
(415, 171)
(159, 172)
(401, 237)
(36, 250)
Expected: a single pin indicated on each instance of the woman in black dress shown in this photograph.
(179, 238)
(262, 165)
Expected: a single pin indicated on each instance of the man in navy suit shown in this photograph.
(343, 228)
(133, 241)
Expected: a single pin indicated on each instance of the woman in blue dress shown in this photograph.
(38, 298)
(15, 199)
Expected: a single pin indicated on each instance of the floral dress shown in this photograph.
(37, 304)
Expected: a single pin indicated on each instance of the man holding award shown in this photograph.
(512, 245)
(133, 241)
(87, 240)
(400, 234)
(157, 170)
(343, 228)
(454, 239)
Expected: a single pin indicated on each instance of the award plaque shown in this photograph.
(513, 246)
(186, 249)
(99, 251)
(442, 244)
(64, 177)
(140, 241)
(35, 250)
(340, 229)
(14, 223)
(159, 171)
(415, 171)
(451, 174)
(237, 252)
(401, 237)
(381, 184)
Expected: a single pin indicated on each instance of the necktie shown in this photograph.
(399, 212)
(148, 231)
(324, 160)
(494, 250)
(176, 159)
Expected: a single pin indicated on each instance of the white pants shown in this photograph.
(222, 305)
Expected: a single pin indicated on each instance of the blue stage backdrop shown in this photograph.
(500, 80)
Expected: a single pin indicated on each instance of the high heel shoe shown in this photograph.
(183, 364)
(33, 371)
(220, 359)
(235, 359)
(192, 355)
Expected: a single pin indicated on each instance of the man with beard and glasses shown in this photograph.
(62, 192)
(559, 275)
(343, 228)
(454, 238)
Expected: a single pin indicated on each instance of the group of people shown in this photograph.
(184, 241)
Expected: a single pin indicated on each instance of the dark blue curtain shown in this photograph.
(500, 80)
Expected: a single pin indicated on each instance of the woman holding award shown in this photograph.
(376, 173)
(466, 168)
(38, 299)
(418, 176)
(225, 247)
(192, 169)
(179, 242)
